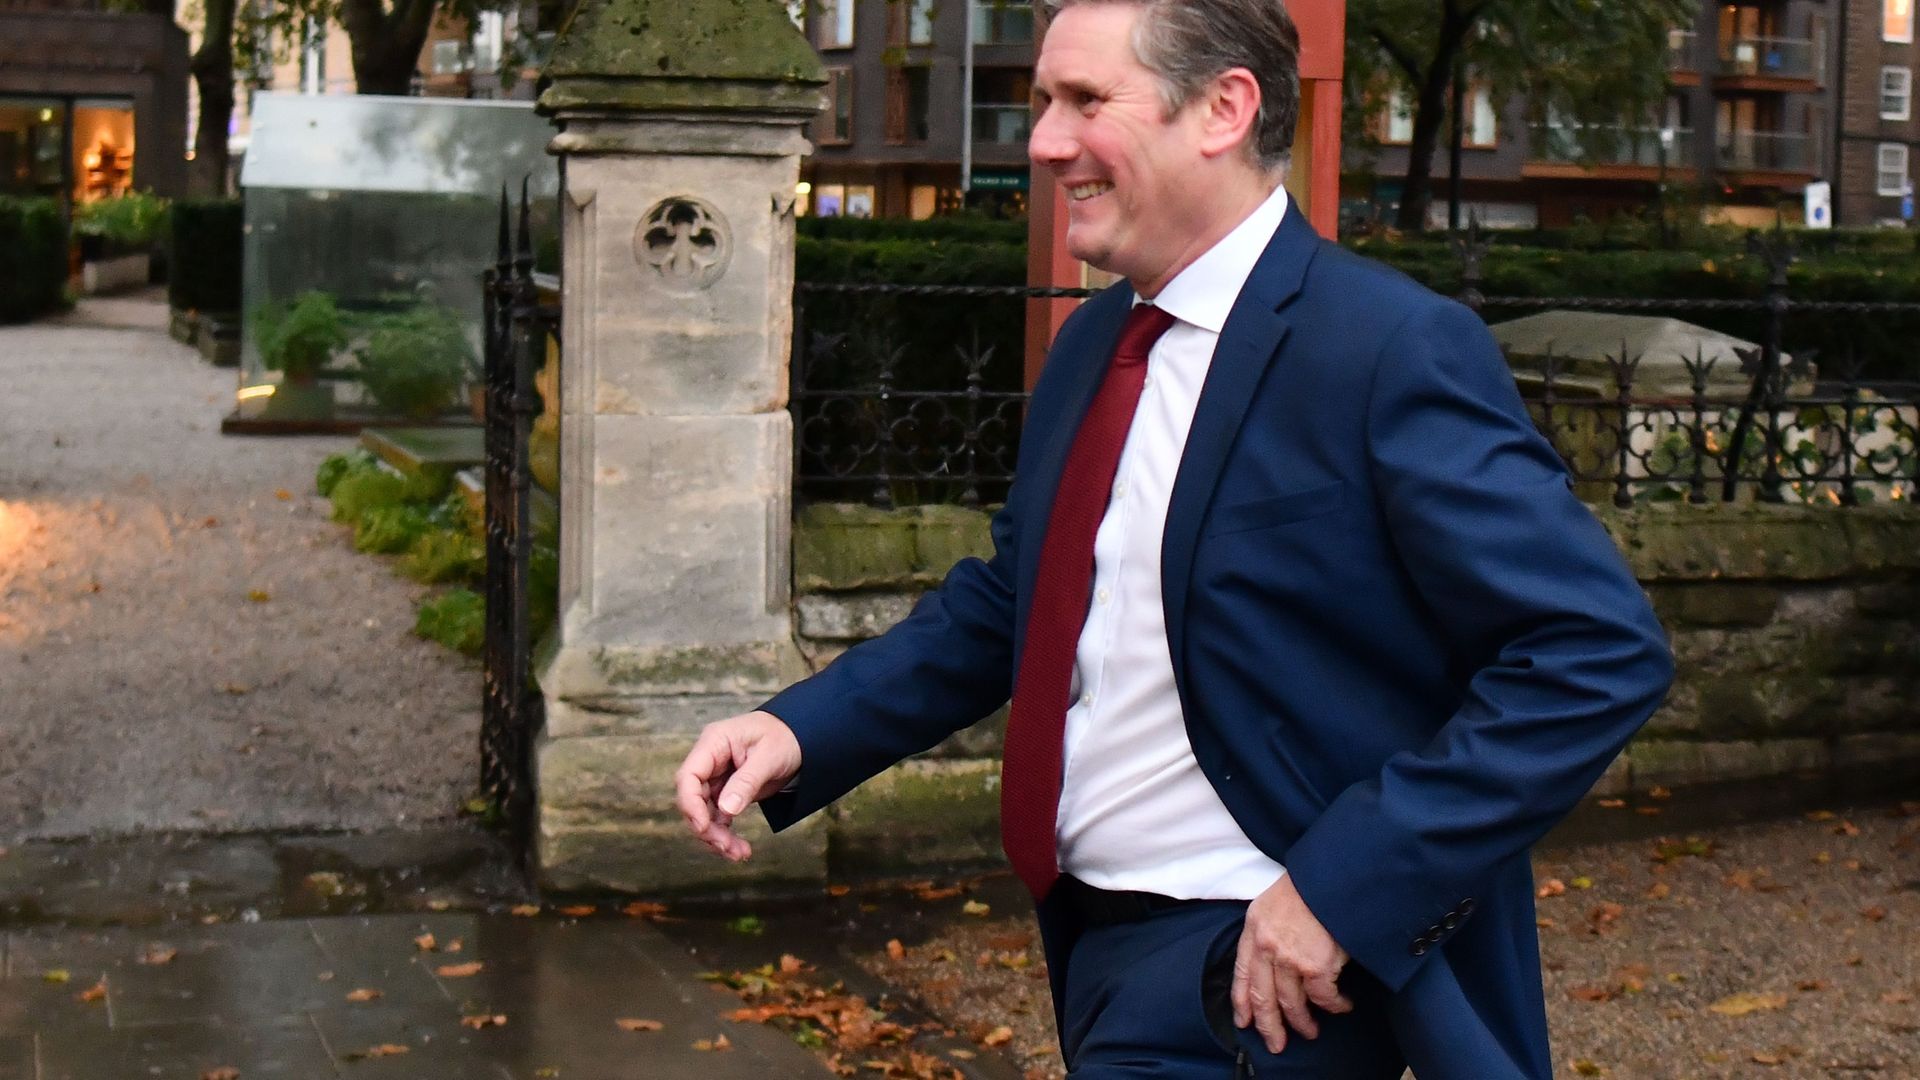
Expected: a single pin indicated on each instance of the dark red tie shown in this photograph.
(1030, 775)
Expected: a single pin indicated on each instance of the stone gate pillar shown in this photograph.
(680, 142)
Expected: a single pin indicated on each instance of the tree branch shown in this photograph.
(1398, 54)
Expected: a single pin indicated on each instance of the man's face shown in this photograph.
(1126, 167)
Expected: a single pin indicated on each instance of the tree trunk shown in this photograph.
(386, 46)
(1429, 110)
(212, 67)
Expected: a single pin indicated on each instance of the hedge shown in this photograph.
(205, 255)
(33, 258)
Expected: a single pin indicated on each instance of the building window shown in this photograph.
(836, 120)
(1897, 21)
(842, 200)
(1892, 178)
(999, 23)
(908, 99)
(1002, 112)
(450, 57)
(909, 22)
(1481, 130)
(833, 27)
(1396, 124)
(1896, 93)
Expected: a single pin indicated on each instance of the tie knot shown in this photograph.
(1145, 324)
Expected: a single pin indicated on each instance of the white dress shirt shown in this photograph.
(1136, 812)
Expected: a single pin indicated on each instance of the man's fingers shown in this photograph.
(1325, 992)
(1293, 1003)
(1263, 998)
(743, 788)
(703, 772)
(1242, 982)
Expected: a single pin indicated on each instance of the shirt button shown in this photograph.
(1102, 595)
(1120, 490)
(1086, 699)
(1146, 382)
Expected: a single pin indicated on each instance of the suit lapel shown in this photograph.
(1251, 340)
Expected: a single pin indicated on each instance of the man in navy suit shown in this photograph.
(1306, 636)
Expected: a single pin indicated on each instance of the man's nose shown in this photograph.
(1050, 143)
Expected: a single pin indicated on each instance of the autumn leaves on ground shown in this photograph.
(1781, 949)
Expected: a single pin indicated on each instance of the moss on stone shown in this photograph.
(749, 40)
(919, 813)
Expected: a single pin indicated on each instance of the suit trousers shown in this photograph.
(1151, 999)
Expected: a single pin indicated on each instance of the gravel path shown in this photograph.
(186, 640)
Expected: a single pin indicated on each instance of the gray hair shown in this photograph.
(1189, 43)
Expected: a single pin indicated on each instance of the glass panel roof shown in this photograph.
(348, 142)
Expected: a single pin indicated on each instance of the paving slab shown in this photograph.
(277, 1048)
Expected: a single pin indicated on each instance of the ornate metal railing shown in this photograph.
(913, 393)
(518, 328)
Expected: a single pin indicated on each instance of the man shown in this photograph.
(1306, 636)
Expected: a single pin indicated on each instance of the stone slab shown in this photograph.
(1876, 750)
(661, 857)
(920, 814)
(1673, 762)
(851, 616)
(411, 449)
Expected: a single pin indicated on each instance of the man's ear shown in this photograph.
(1230, 107)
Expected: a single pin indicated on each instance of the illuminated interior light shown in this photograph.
(803, 188)
(251, 392)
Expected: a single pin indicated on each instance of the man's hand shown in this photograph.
(1287, 960)
(735, 763)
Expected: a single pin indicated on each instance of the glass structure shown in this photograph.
(389, 207)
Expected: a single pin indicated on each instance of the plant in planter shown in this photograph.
(414, 362)
(116, 237)
(298, 341)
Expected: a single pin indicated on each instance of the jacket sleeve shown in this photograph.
(946, 665)
(1566, 657)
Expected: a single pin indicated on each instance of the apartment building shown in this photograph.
(1878, 136)
(927, 107)
(93, 99)
(1749, 119)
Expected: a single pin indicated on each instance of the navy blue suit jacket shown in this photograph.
(1403, 649)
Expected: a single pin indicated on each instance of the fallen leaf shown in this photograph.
(224, 1072)
(1658, 792)
(236, 689)
(325, 976)
(363, 994)
(259, 596)
(1647, 811)
(425, 943)
(1740, 879)
(629, 1024)
(525, 911)
(1582, 882)
(1855, 960)
(1846, 828)
(642, 910)
(380, 1051)
(1821, 815)
(1822, 858)
(1808, 986)
(1874, 913)
(791, 964)
(963, 1055)
(96, 992)
(720, 1043)
(976, 908)
(999, 1036)
(1011, 942)
(895, 950)
(1896, 997)
(1765, 1058)
(1551, 887)
(56, 975)
(1545, 924)
(282, 494)
(1613, 804)
(578, 911)
(1603, 917)
(1586, 1067)
(752, 925)
(458, 971)
(453, 946)
(1742, 1004)
(1594, 993)
(1659, 890)
(439, 905)
(484, 1021)
(157, 955)
(929, 893)
(839, 890)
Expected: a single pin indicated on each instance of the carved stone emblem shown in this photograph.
(685, 241)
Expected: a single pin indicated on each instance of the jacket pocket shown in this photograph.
(1277, 509)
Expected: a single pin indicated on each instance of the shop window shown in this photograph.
(833, 26)
(1897, 21)
(1892, 174)
(102, 148)
(923, 202)
(32, 150)
(1896, 93)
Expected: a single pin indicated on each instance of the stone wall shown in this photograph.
(1796, 632)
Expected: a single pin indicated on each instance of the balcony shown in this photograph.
(1766, 153)
(1008, 124)
(1768, 63)
(1002, 22)
(1607, 151)
(1683, 57)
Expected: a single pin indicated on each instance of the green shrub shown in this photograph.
(456, 618)
(361, 489)
(33, 258)
(389, 530)
(206, 238)
(445, 554)
(124, 223)
(338, 465)
(415, 362)
(300, 339)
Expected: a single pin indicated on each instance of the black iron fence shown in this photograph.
(518, 327)
(913, 394)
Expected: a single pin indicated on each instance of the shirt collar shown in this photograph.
(1204, 292)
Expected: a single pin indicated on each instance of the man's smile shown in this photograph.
(1088, 190)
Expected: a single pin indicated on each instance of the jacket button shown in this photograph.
(1451, 921)
(1420, 946)
(1466, 906)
